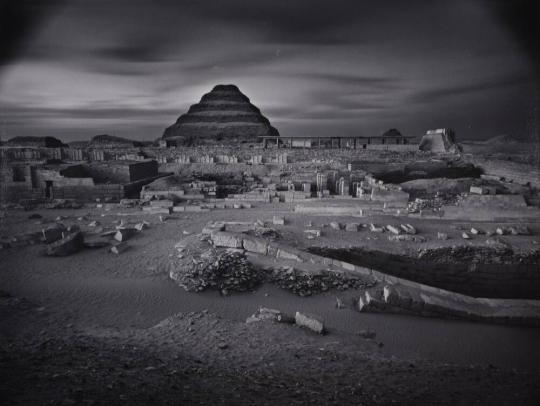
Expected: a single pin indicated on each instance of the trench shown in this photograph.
(519, 280)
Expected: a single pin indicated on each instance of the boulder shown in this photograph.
(68, 245)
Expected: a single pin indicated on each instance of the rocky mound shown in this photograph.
(223, 114)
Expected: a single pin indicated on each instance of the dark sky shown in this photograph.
(79, 68)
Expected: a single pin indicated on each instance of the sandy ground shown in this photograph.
(81, 330)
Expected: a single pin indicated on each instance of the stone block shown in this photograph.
(352, 227)
(119, 248)
(193, 208)
(375, 229)
(393, 229)
(335, 225)
(313, 233)
(143, 225)
(124, 234)
(68, 245)
(284, 254)
(156, 210)
(477, 190)
(408, 228)
(278, 221)
(256, 245)
(371, 300)
(229, 240)
(162, 203)
(309, 321)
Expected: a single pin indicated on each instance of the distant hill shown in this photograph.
(500, 144)
(106, 140)
(35, 142)
(78, 144)
(497, 140)
(502, 139)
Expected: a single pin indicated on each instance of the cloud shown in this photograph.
(436, 94)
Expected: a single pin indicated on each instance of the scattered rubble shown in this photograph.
(407, 237)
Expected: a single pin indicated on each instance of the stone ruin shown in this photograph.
(442, 140)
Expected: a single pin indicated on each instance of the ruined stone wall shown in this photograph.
(109, 172)
(247, 153)
(41, 176)
(15, 193)
(89, 193)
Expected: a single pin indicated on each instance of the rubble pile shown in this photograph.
(219, 269)
(486, 255)
(307, 284)
(265, 232)
(435, 203)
